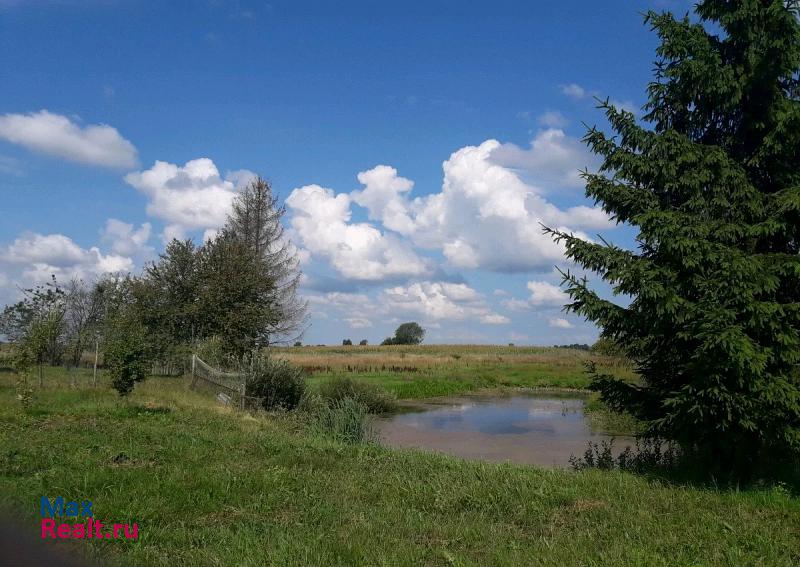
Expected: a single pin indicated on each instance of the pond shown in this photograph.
(540, 429)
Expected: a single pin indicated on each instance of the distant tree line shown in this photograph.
(576, 346)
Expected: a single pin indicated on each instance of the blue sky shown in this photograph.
(123, 123)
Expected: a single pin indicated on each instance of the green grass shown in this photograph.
(430, 373)
(213, 487)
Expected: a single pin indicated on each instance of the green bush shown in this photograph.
(374, 398)
(279, 384)
(126, 354)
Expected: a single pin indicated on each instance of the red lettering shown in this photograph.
(48, 527)
(64, 530)
(135, 531)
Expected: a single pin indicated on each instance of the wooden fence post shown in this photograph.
(241, 397)
(194, 375)
(96, 352)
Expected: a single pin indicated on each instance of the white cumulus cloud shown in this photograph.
(57, 135)
(553, 158)
(382, 196)
(547, 294)
(559, 323)
(321, 222)
(39, 256)
(191, 197)
(485, 216)
(124, 239)
(440, 301)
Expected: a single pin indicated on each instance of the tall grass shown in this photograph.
(345, 420)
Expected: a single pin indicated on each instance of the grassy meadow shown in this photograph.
(440, 370)
(212, 486)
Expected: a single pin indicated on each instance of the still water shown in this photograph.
(544, 430)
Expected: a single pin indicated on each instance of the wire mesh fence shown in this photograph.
(229, 388)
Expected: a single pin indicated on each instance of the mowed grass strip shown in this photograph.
(213, 487)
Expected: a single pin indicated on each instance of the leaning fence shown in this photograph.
(229, 388)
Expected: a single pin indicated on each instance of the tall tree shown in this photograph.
(40, 312)
(712, 184)
(235, 299)
(84, 310)
(167, 293)
(255, 221)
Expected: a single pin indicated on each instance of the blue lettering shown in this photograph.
(56, 508)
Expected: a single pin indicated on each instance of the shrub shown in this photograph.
(279, 384)
(347, 342)
(126, 355)
(363, 342)
(298, 344)
(374, 398)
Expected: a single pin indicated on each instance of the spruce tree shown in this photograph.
(255, 221)
(711, 181)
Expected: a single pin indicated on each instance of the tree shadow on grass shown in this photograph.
(667, 464)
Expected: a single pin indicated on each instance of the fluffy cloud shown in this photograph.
(485, 216)
(57, 135)
(122, 238)
(432, 301)
(440, 301)
(553, 158)
(355, 309)
(494, 319)
(41, 255)
(383, 197)
(559, 323)
(543, 295)
(359, 251)
(340, 299)
(546, 294)
(192, 197)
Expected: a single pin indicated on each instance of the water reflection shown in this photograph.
(541, 430)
